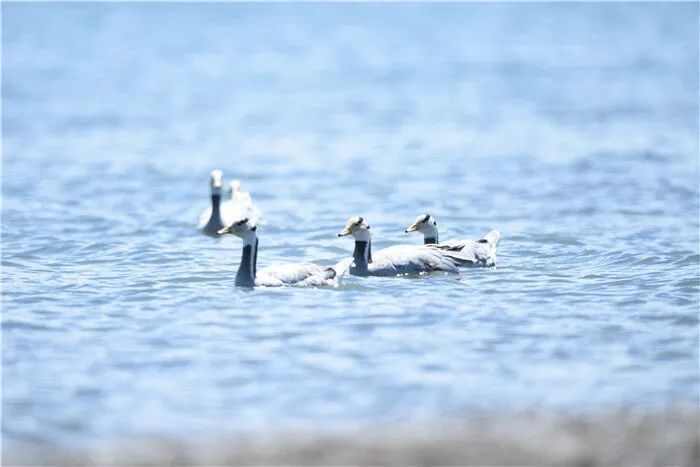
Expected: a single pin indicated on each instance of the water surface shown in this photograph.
(572, 129)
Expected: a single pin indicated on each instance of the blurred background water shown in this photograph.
(573, 129)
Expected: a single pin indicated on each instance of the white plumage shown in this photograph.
(481, 252)
(302, 275)
(240, 205)
(400, 259)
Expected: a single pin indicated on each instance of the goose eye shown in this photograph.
(434, 223)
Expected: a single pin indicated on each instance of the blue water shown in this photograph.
(572, 129)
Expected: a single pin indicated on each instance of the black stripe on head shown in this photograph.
(360, 221)
(425, 219)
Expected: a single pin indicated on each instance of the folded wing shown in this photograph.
(302, 275)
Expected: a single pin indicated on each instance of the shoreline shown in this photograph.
(621, 437)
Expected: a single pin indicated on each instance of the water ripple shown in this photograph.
(119, 319)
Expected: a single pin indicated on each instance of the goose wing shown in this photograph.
(468, 249)
(204, 218)
(303, 275)
(414, 259)
(288, 274)
(481, 252)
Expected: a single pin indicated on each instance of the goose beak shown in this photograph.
(412, 228)
(345, 231)
(225, 230)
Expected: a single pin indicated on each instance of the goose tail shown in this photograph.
(492, 237)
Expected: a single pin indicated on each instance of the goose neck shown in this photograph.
(215, 202)
(363, 252)
(249, 262)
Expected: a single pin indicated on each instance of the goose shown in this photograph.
(299, 275)
(219, 215)
(213, 218)
(482, 251)
(399, 259)
(241, 203)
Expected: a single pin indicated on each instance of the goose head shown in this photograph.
(216, 180)
(244, 228)
(425, 224)
(357, 227)
(233, 188)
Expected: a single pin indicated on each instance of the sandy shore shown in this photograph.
(669, 437)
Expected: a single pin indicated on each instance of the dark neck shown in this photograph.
(362, 254)
(430, 240)
(255, 259)
(215, 204)
(245, 277)
(215, 222)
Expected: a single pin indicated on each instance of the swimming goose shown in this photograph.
(397, 260)
(212, 219)
(300, 275)
(482, 251)
(241, 203)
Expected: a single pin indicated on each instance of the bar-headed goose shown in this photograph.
(219, 215)
(210, 221)
(482, 251)
(300, 275)
(399, 259)
(241, 203)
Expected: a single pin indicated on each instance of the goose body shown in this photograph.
(482, 252)
(298, 275)
(240, 205)
(302, 275)
(399, 259)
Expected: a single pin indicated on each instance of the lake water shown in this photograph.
(572, 129)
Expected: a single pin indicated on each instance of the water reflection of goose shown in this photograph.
(482, 252)
(400, 259)
(300, 275)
